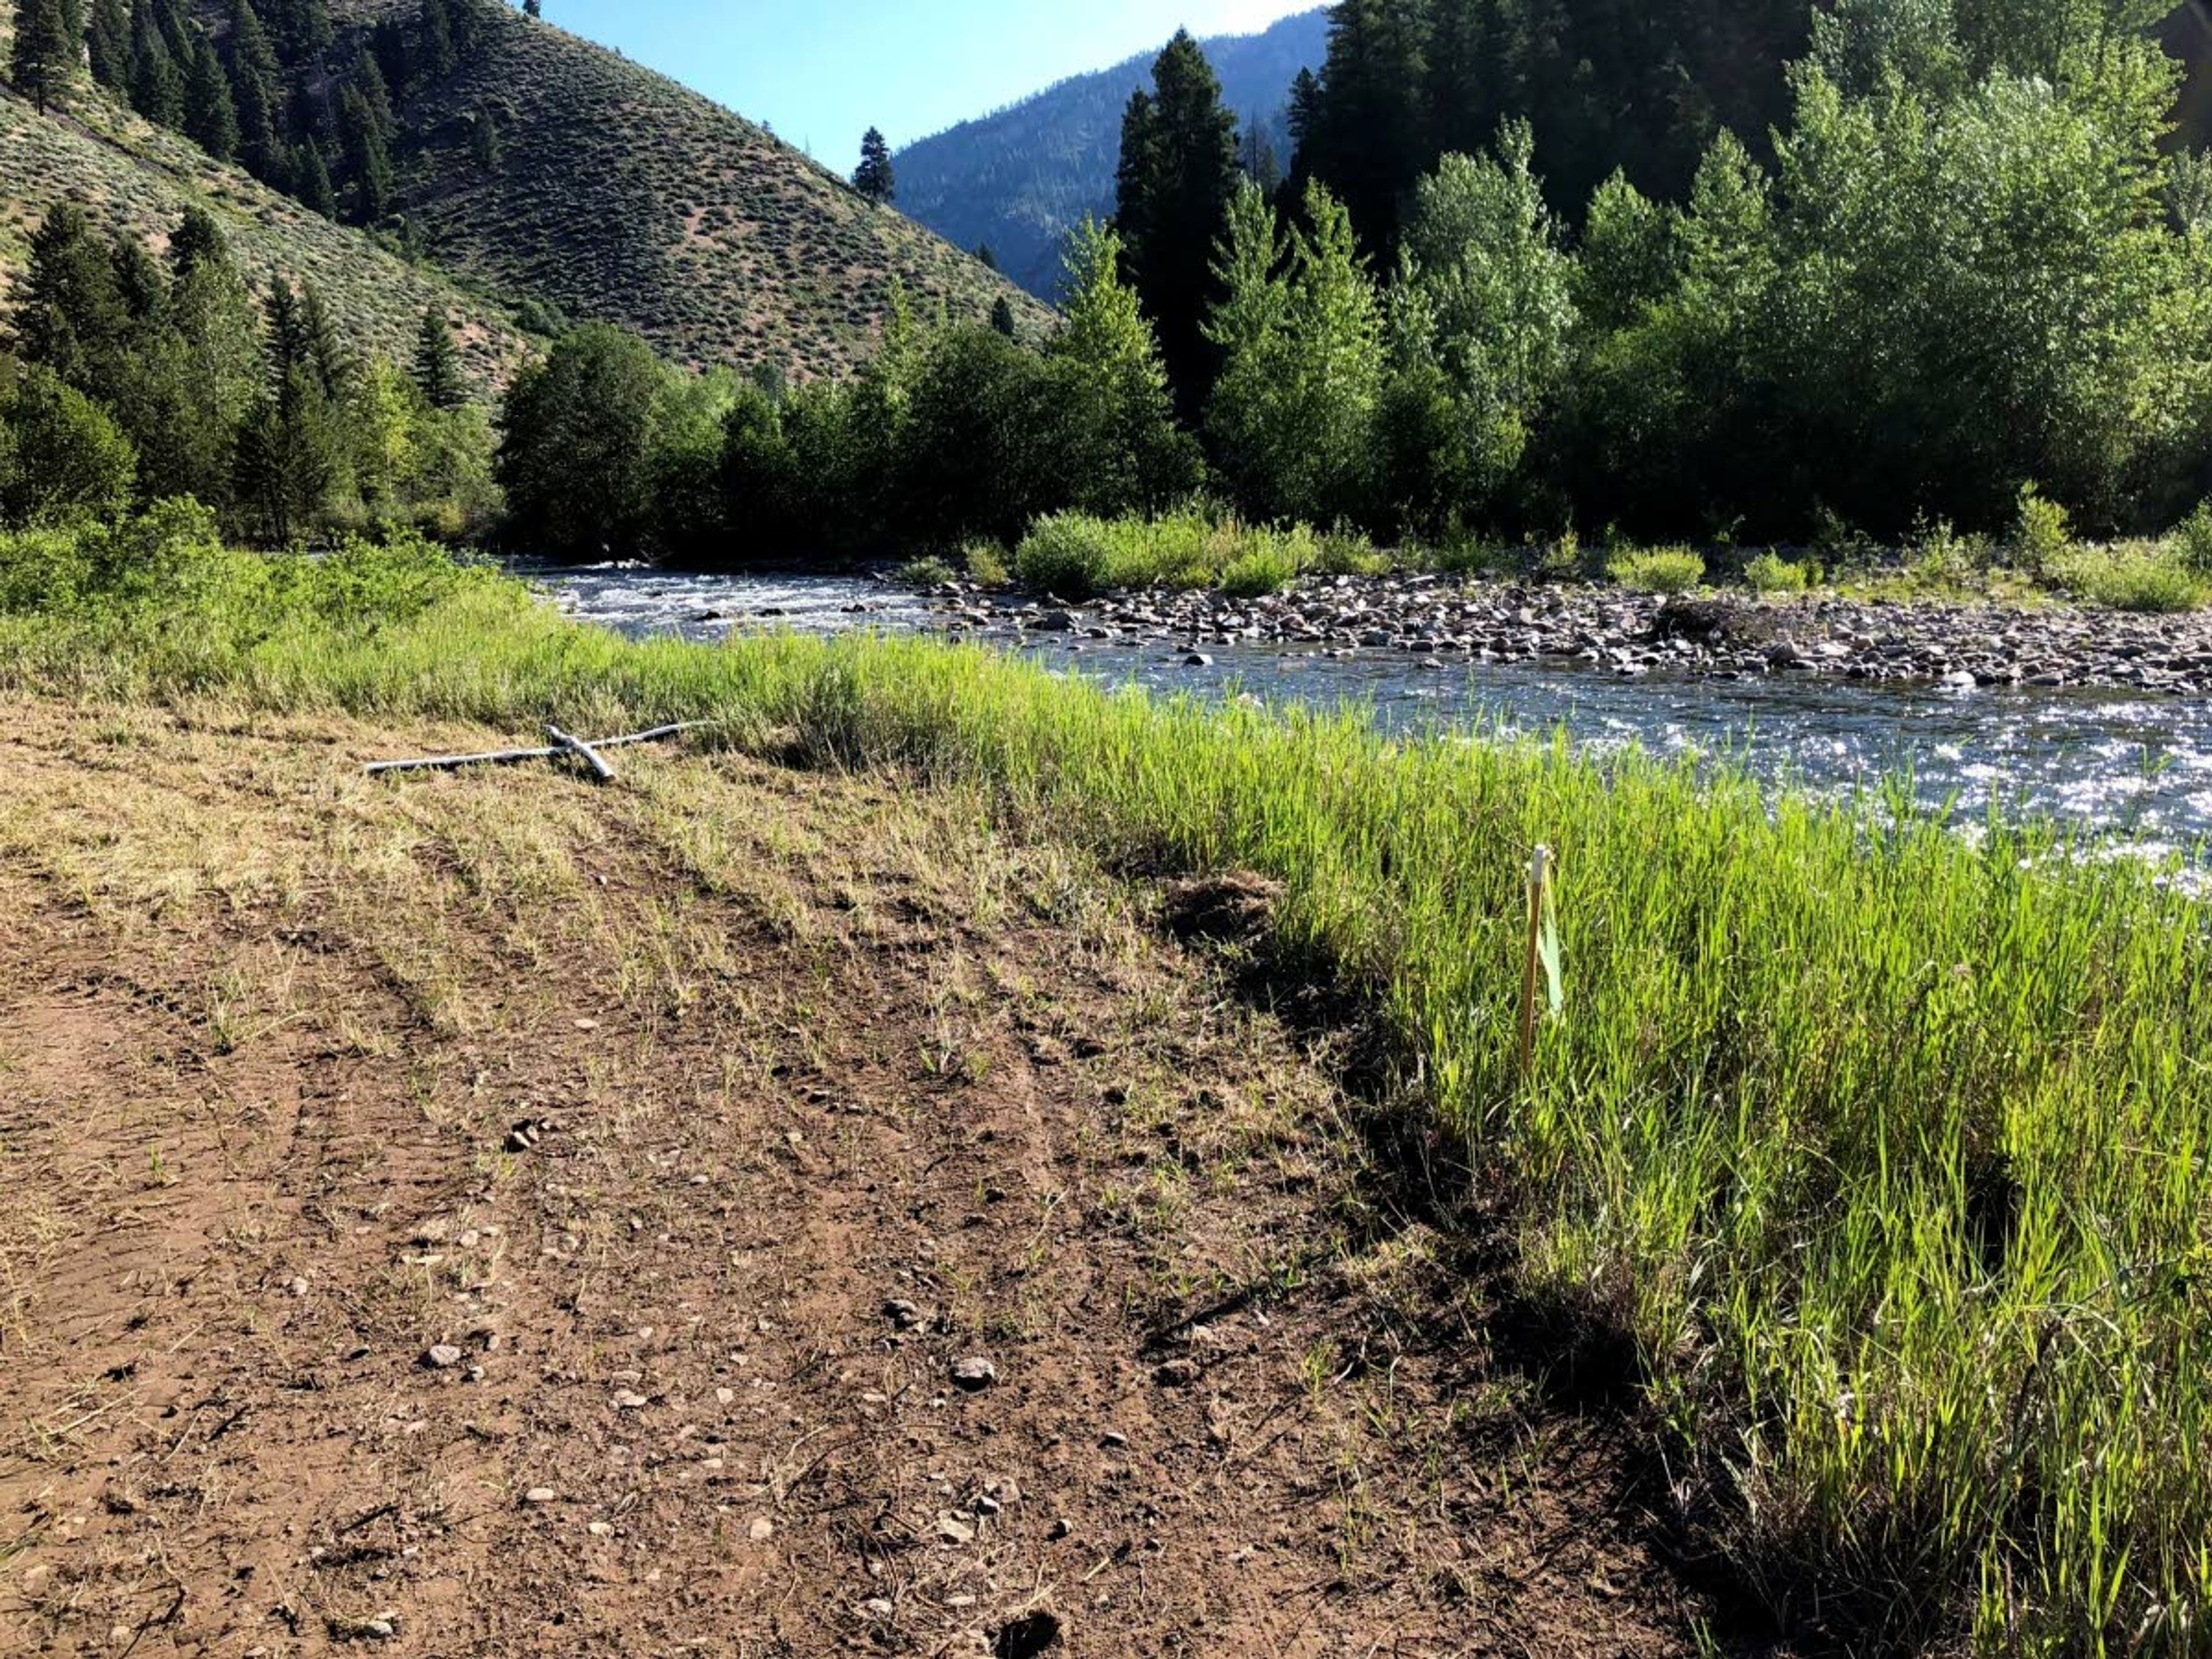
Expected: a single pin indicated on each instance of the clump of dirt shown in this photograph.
(1235, 907)
(739, 1210)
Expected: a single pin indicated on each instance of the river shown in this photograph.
(2123, 765)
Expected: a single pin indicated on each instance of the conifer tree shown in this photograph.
(533, 9)
(438, 363)
(367, 157)
(1178, 174)
(1002, 316)
(210, 115)
(434, 38)
(70, 313)
(107, 43)
(157, 84)
(483, 142)
(288, 459)
(311, 180)
(44, 60)
(873, 179)
(257, 87)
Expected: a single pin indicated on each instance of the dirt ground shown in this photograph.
(490, 1215)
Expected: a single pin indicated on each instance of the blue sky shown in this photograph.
(821, 72)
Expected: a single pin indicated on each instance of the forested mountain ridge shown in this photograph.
(621, 197)
(1018, 180)
(135, 178)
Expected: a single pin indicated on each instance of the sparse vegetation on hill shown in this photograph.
(132, 179)
(622, 198)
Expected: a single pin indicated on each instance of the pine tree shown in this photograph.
(210, 117)
(438, 363)
(987, 256)
(1002, 317)
(157, 85)
(873, 179)
(1177, 176)
(1256, 158)
(483, 142)
(70, 313)
(45, 59)
(311, 180)
(366, 157)
(257, 84)
(108, 44)
(433, 37)
(288, 455)
(533, 9)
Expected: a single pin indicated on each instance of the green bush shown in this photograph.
(2136, 576)
(1066, 554)
(986, 564)
(1268, 569)
(1074, 555)
(2194, 541)
(1772, 574)
(1658, 570)
(2042, 533)
(65, 457)
(925, 572)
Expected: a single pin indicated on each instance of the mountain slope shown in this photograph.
(135, 178)
(622, 197)
(1019, 179)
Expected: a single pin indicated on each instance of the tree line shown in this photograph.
(128, 379)
(1882, 259)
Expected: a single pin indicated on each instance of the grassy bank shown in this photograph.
(1077, 556)
(1887, 1147)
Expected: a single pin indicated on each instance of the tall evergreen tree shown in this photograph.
(257, 86)
(107, 45)
(874, 178)
(533, 9)
(70, 314)
(157, 83)
(434, 54)
(289, 453)
(311, 180)
(438, 362)
(1177, 176)
(1368, 139)
(484, 146)
(210, 115)
(367, 158)
(44, 60)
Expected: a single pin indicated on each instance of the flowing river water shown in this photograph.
(2123, 765)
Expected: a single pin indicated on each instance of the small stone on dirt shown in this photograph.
(761, 1529)
(628, 1400)
(1114, 1440)
(954, 1531)
(601, 1529)
(538, 1495)
(876, 1607)
(1176, 1374)
(443, 1358)
(726, 1396)
(1062, 1528)
(974, 1374)
(902, 1314)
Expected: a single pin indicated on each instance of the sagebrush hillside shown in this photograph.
(622, 197)
(132, 177)
(1020, 179)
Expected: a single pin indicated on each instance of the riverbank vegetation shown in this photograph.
(1879, 1146)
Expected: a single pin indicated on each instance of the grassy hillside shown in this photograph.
(1020, 179)
(622, 197)
(136, 177)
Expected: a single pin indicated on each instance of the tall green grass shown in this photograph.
(1888, 1146)
(1075, 555)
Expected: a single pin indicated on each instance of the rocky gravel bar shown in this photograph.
(1444, 620)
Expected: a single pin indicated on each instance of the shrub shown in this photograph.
(1659, 570)
(2042, 533)
(1268, 569)
(2194, 541)
(1772, 574)
(2132, 576)
(925, 572)
(986, 564)
(66, 458)
(1067, 554)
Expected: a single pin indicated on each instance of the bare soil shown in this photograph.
(489, 1215)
